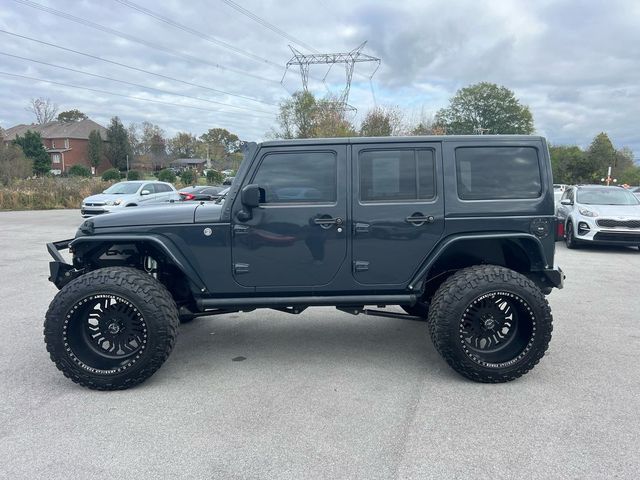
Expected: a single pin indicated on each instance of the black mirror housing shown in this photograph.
(250, 196)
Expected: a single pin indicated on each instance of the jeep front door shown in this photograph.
(398, 210)
(296, 237)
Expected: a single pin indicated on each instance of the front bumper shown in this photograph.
(60, 271)
(616, 232)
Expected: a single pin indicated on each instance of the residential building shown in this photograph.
(66, 142)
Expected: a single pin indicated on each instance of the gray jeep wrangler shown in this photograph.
(456, 230)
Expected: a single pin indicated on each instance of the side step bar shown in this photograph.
(306, 301)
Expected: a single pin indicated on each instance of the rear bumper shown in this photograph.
(555, 277)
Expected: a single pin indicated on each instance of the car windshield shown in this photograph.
(606, 196)
(123, 188)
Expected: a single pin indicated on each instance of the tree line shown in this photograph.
(483, 108)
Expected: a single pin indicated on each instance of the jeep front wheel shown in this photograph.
(111, 328)
(490, 324)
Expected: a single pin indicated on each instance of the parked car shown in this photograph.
(600, 214)
(200, 192)
(228, 181)
(128, 194)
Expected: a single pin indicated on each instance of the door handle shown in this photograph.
(327, 222)
(418, 219)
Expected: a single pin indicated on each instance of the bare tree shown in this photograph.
(44, 110)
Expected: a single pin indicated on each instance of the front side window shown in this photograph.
(298, 177)
(494, 173)
(396, 175)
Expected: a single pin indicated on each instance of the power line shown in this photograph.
(95, 90)
(131, 38)
(195, 32)
(148, 72)
(268, 25)
(132, 84)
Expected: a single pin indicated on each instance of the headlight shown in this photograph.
(587, 213)
(108, 202)
(118, 202)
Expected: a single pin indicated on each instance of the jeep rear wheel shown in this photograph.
(490, 324)
(111, 329)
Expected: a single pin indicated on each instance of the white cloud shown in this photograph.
(573, 62)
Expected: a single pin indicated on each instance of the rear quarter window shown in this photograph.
(496, 173)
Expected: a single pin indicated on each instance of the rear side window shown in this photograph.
(392, 175)
(298, 177)
(493, 173)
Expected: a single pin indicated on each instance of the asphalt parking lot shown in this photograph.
(324, 394)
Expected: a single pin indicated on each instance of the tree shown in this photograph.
(71, 116)
(113, 174)
(382, 122)
(43, 109)
(602, 155)
(166, 175)
(13, 162)
(218, 144)
(303, 116)
(189, 177)
(485, 108)
(95, 148)
(118, 146)
(183, 145)
(31, 144)
(571, 165)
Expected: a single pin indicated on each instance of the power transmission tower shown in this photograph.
(349, 59)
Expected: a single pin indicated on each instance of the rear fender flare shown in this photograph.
(529, 243)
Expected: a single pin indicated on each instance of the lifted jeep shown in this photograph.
(457, 230)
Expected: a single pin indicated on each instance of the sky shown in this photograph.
(201, 64)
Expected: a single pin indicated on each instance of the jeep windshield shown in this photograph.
(123, 188)
(606, 196)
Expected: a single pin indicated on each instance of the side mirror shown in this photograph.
(145, 192)
(250, 196)
(566, 201)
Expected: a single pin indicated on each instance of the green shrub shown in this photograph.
(134, 175)
(214, 177)
(111, 175)
(79, 171)
(166, 175)
(189, 177)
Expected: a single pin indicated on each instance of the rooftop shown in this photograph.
(80, 129)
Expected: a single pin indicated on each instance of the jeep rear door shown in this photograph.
(397, 209)
(296, 237)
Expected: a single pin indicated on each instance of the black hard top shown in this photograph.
(426, 138)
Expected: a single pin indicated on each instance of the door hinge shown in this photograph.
(240, 229)
(240, 268)
(360, 266)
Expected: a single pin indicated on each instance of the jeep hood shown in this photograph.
(163, 214)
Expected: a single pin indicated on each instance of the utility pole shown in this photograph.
(127, 164)
(208, 160)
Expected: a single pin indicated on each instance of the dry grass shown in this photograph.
(48, 193)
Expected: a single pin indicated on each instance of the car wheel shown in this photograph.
(569, 237)
(111, 328)
(490, 324)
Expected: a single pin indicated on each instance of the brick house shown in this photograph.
(66, 142)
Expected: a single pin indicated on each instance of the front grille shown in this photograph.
(611, 223)
(618, 237)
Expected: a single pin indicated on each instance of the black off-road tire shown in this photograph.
(458, 299)
(570, 239)
(123, 296)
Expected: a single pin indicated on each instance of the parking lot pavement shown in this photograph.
(323, 394)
